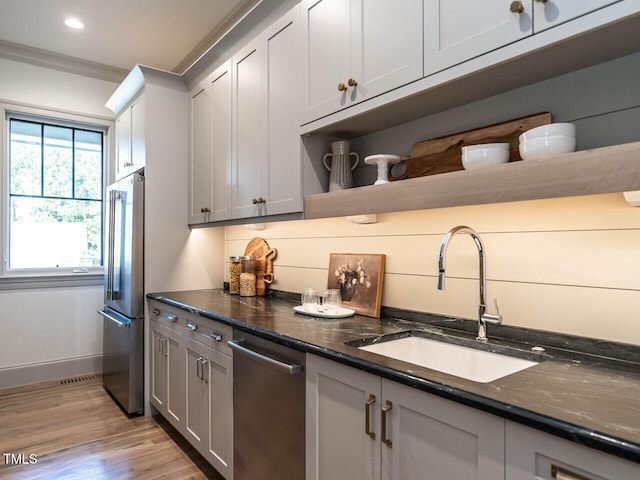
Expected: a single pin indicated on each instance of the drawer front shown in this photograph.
(204, 330)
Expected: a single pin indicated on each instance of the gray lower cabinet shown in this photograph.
(534, 454)
(167, 373)
(192, 381)
(362, 427)
(208, 417)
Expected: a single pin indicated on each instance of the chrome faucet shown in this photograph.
(483, 316)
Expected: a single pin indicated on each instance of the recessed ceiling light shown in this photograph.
(74, 23)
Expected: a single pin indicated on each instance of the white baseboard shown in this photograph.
(44, 372)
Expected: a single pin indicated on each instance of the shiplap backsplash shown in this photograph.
(565, 265)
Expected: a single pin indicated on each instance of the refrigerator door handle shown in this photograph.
(120, 323)
(112, 237)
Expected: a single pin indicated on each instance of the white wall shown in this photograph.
(37, 86)
(50, 331)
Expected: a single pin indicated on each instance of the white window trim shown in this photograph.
(45, 277)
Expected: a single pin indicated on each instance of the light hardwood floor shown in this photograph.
(75, 431)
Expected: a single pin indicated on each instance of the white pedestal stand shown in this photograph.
(383, 161)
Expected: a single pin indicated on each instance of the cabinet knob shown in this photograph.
(258, 200)
(204, 210)
(342, 87)
(517, 7)
(352, 82)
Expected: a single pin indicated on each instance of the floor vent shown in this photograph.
(74, 380)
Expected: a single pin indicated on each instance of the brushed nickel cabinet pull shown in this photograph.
(383, 438)
(367, 416)
(204, 362)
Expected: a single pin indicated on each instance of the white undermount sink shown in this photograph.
(469, 363)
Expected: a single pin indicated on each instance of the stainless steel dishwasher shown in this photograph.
(268, 410)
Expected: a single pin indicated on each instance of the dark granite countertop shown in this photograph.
(592, 400)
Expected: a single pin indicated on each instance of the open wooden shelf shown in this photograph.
(587, 172)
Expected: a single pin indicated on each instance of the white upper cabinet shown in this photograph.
(460, 30)
(130, 139)
(245, 153)
(267, 154)
(210, 148)
(548, 13)
(248, 139)
(357, 49)
(281, 116)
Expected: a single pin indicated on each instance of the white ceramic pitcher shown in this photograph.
(340, 176)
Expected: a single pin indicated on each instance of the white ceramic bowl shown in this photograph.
(546, 146)
(478, 156)
(550, 130)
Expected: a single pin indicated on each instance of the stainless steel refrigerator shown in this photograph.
(123, 312)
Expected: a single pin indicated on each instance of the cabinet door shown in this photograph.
(209, 412)
(431, 434)
(554, 12)
(326, 37)
(534, 454)
(138, 154)
(282, 116)
(221, 104)
(386, 43)
(210, 152)
(159, 376)
(457, 31)
(123, 143)
(220, 441)
(197, 405)
(248, 177)
(337, 444)
(175, 379)
(200, 161)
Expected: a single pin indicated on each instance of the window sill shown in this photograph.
(51, 281)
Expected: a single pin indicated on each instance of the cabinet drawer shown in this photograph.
(206, 331)
(534, 454)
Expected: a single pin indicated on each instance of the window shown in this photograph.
(55, 195)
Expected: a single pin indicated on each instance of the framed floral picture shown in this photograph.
(359, 277)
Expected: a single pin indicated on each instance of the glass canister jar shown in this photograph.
(247, 277)
(234, 275)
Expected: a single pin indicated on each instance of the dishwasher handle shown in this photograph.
(283, 367)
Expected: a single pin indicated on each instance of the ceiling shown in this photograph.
(166, 34)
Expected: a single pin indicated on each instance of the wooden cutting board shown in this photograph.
(444, 154)
(259, 249)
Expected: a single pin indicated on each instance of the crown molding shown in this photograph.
(208, 43)
(63, 63)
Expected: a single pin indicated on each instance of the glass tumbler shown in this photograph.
(331, 301)
(309, 299)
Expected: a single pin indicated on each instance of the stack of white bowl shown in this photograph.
(546, 140)
(483, 155)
